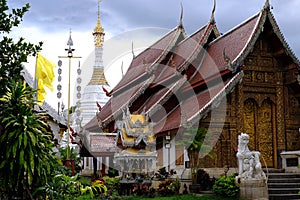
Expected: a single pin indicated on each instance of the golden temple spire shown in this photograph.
(98, 77)
(98, 30)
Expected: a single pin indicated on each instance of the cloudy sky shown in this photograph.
(51, 21)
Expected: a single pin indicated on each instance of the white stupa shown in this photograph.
(93, 94)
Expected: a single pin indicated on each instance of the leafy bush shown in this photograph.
(97, 188)
(26, 155)
(112, 184)
(225, 186)
(66, 187)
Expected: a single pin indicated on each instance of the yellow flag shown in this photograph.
(44, 71)
(41, 93)
(44, 75)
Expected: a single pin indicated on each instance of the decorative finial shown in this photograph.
(122, 70)
(70, 41)
(212, 18)
(181, 15)
(133, 56)
(99, 1)
(267, 5)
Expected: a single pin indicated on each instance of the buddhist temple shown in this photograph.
(245, 80)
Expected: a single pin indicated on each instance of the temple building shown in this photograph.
(245, 80)
(93, 99)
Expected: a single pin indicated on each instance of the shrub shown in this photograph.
(112, 184)
(168, 187)
(225, 186)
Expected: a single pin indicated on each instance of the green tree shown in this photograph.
(26, 156)
(12, 54)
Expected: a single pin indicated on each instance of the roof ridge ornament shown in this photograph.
(212, 18)
(268, 5)
(133, 55)
(70, 41)
(181, 16)
(122, 70)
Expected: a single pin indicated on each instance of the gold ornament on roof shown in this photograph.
(98, 30)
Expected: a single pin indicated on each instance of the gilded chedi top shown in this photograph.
(93, 95)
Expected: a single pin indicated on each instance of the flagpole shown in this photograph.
(35, 84)
(69, 56)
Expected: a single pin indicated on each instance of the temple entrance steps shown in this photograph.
(283, 186)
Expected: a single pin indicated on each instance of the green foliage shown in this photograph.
(225, 186)
(26, 156)
(73, 158)
(24, 140)
(12, 54)
(180, 197)
(111, 183)
(65, 187)
(72, 153)
(95, 189)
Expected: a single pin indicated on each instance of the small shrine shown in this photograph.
(136, 160)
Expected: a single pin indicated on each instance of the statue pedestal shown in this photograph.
(254, 189)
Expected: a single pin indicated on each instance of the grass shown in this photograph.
(182, 197)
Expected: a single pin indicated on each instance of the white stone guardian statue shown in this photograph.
(251, 178)
(248, 161)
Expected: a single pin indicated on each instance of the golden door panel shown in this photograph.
(265, 132)
(250, 108)
(258, 124)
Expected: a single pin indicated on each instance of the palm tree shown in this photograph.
(26, 156)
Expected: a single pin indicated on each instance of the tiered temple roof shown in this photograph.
(179, 79)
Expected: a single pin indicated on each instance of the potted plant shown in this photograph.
(68, 158)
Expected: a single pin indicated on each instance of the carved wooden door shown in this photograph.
(258, 123)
